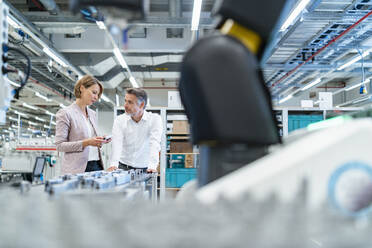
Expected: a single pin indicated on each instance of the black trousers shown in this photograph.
(93, 166)
(128, 167)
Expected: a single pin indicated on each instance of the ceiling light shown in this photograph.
(101, 24)
(353, 60)
(196, 15)
(12, 22)
(12, 83)
(309, 85)
(117, 100)
(105, 98)
(133, 82)
(33, 123)
(49, 113)
(46, 126)
(62, 105)
(120, 58)
(12, 118)
(21, 114)
(29, 106)
(55, 57)
(53, 123)
(42, 97)
(40, 119)
(285, 99)
(294, 14)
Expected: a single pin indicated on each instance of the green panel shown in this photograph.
(302, 121)
(176, 178)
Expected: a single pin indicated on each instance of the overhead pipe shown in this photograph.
(35, 34)
(321, 49)
(175, 11)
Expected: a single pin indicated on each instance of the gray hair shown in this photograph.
(139, 93)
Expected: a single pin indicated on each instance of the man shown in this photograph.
(136, 135)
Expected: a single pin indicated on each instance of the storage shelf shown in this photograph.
(171, 188)
(179, 138)
(169, 153)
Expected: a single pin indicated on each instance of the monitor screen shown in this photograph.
(39, 166)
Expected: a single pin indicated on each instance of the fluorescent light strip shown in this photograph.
(120, 58)
(196, 15)
(20, 113)
(12, 118)
(353, 60)
(285, 99)
(101, 25)
(313, 83)
(12, 22)
(133, 82)
(29, 106)
(33, 123)
(46, 126)
(42, 97)
(55, 57)
(105, 98)
(53, 123)
(117, 100)
(12, 83)
(49, 113)
(40, 119)
(62, 105)
(294, 14)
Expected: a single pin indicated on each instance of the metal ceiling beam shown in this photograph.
(172, 22)
(35, 34)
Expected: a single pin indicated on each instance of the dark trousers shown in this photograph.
(128, 167)
(93, 166)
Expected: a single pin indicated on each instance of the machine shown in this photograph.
(222, 89)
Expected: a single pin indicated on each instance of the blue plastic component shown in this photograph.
(176, 178)
(302, 121)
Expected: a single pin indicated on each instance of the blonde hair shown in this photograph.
(87, 81)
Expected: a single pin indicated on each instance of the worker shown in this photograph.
(136, 135)
(76, 130)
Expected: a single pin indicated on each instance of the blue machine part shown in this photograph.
(350, 189)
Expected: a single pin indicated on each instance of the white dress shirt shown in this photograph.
(137, 144)
(93, 151)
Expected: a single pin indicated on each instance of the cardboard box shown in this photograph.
(180, 147)
(189, 161)
(180, 127)
(174, 99)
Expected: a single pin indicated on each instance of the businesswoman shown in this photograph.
(76, 130)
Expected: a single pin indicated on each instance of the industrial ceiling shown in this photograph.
(302, 60)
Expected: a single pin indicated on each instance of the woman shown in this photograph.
(76, 130)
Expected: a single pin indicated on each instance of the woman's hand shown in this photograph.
(107, 139)
(95, 141)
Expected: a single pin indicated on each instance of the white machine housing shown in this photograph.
(314, 157)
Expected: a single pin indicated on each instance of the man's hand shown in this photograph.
(112, 168)
(151, 171)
